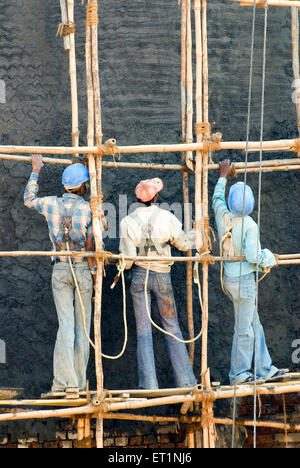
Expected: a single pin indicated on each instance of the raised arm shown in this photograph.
(31, 199)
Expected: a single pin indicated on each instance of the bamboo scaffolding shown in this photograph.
(253, 167)
(295, 61)
(103, 408)
(275, 3)
(73, 76)
(207, 406)
(94, 129)
(186, 158)
(288, 259)
(286, 145)
(64, 19)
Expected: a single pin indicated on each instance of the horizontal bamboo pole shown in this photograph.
(287, 145)
(267, 166)
(45, 414)
(239, 392)
(198, 420)
(275, 3)
(90, 410)
(284, 261)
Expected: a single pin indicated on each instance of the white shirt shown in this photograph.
(162, 226)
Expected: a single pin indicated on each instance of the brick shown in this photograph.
(108, 442)
(61, 435)
(50, 445)
(291, 438)
(170, 429)
(134, 441)
(163, 439)
(149, 439)
(66, 444)
(121, 441)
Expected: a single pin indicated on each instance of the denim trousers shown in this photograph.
(249, 343)
(160, 285)
(72, 347)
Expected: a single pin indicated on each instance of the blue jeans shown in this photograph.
(160, 285)
(72, 347)
(248, 332)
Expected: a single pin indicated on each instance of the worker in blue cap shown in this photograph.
(238, 234)
(70, 227)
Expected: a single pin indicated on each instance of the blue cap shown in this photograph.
(241, 200)
(75, 175)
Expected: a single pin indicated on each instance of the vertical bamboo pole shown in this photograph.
(185, 181)
(199, 118)
(80, 431)
(64, 20)
(91, 59)
(207, 407)
(295, 54)
(189, 84)
(73, 76)
(188, 61)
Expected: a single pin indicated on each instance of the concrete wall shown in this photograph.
(140, 73)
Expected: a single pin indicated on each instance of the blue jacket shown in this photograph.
(253, 252)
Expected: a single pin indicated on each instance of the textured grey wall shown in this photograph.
(140, 72)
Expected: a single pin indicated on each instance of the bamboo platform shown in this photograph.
(194, 161)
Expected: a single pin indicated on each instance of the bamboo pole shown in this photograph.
(185, 173)
(64, 20)
(267, 166)
(189, 84)
(199, 118)
(207, 406)
(286, 145)
(275, 3)
(95, 130)
(73, 77)
(295, 59)
(283, 260)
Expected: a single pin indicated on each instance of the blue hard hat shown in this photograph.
(241, 200)
(75, 175)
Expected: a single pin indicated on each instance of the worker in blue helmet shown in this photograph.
(238, 234)
(70, 227)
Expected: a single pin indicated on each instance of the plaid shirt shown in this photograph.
(49, 208)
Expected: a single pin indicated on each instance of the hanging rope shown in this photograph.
(197, 281)
(121, 268)
(244, 210)
(259, 205)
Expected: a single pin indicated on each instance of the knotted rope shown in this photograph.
(92, 14)
(66, 29)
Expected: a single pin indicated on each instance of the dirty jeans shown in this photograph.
(71, 352)
(248, 332)
(160, 285)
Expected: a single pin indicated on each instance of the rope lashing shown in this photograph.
(296, 145)
(92, 14)
(202, 128)
(66, 29)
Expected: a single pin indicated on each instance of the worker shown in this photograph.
(71, 352)
(234, 222)
(150, 230)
